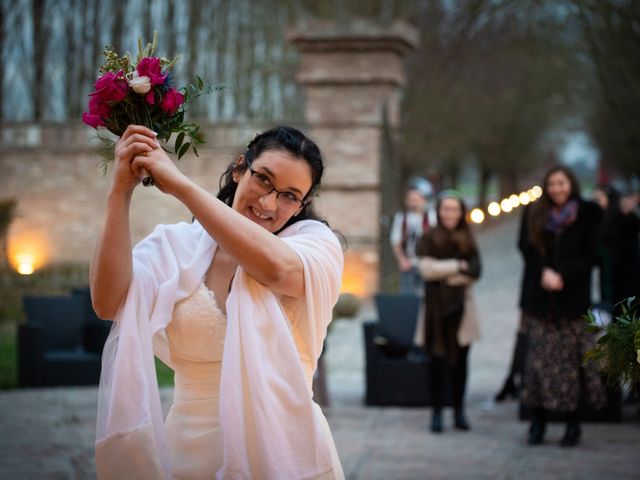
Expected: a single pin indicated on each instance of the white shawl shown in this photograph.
(269, 425)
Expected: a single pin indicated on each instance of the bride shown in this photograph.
(236, 302)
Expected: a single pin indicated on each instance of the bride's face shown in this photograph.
(271, 190)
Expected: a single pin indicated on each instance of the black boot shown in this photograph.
(436, 420)
(572, 433)
(510, 389)
(538, 427)
(460, 420)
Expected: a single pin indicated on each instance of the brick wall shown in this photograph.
(52, 171)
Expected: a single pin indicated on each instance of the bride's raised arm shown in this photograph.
(259, 252)
(111, 267)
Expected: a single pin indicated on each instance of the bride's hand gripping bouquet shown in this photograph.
(143, 94)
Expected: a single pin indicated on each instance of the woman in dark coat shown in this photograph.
(559, 242)
(449, 263)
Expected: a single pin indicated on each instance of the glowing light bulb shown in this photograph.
(477, 215)
(524, 198)
(494, 209)
(537, 191)
(506, 206)
(515, 200)
(25, 268)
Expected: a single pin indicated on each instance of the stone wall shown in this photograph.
(52, 171)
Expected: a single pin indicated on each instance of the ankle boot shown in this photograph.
(509, 389)
(460, 420)
(572, 433)
(436, 420)
(537, 428)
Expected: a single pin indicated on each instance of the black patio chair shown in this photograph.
(396, 371)
(60, 344)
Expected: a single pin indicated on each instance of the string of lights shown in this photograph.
(506, 205)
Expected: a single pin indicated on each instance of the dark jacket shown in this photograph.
(444, 303)
(573, 253)
(620, 255)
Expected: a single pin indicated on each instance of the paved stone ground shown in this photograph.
(48, 434)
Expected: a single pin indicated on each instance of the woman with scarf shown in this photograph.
(449, 262)
(236, 302)
(559, 242)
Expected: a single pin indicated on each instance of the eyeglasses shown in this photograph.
(261, 185)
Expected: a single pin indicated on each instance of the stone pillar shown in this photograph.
(351, 74)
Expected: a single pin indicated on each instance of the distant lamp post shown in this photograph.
(524, 198)
(477, 215)
(515, 200)
(494, 209)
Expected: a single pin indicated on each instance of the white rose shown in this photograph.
(140, 85)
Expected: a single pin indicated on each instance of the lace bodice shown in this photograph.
(197, 330)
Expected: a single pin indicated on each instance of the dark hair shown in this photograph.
(286, 139)
(539, 212)
(443, 242)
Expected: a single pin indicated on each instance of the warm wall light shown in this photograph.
(27, 251)
(494, 209)
(358, 268)
(477, 215)
(26, 268)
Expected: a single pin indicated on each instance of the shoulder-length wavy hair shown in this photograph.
(286, 139)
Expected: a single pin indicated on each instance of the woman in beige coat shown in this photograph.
(449, 262)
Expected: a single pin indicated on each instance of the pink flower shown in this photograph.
(150, 97)
(150, 67)
(171, 101)
(111, 87)
(98, 111)
(98, 107)
(92, 120)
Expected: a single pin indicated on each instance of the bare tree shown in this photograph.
(73, 74)
(3, 34)
(117, 27)
(40, 37)
(611, 30)
(96, 41)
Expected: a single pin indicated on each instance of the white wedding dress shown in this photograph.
(196, 343)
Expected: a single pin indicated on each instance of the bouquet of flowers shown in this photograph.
(143, 93)
(618, 349)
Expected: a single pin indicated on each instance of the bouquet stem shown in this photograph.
(147, 179)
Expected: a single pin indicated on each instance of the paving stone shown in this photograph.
(49, 433)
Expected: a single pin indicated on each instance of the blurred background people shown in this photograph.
(559, 241)
(408, 226)
(450, 263)
(620, 248)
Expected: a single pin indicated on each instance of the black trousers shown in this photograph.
(446, 377)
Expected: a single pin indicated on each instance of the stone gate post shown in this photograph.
(350, 74)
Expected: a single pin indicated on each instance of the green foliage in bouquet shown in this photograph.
(142, 93)
(617, 351)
